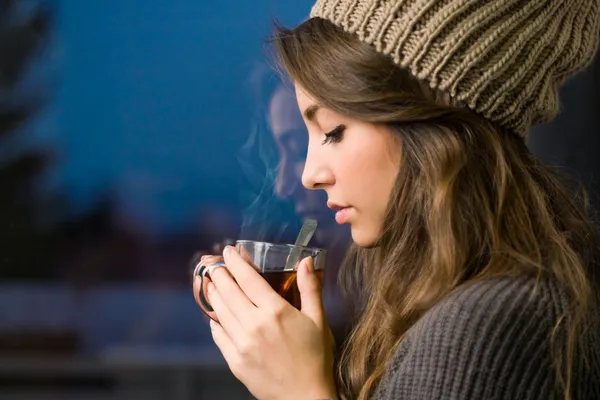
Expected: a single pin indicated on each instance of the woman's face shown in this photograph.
(355, 162)
(290, 136)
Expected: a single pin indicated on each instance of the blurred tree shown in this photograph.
(26, 244)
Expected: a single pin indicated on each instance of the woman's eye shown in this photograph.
(335, 135)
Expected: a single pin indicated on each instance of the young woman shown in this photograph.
(475, 268)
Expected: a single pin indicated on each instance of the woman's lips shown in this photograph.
(342, 216)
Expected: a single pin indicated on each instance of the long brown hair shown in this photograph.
(470, 202)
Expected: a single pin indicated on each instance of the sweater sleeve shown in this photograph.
(490, 340)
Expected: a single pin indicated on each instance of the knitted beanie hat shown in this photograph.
(504, 59)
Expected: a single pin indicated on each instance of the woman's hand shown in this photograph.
(276, 351)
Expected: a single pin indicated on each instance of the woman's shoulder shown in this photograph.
(488, 339)
(496, 314)
(499, 300)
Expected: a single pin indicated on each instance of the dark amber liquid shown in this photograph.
(284, 283)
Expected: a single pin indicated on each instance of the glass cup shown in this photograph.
(273, 262)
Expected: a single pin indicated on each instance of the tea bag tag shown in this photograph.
(306, 233)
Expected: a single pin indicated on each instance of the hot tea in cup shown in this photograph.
(277, 263)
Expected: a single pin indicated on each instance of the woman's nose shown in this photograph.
(316, 175)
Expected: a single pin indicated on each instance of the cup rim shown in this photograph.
(269, 244)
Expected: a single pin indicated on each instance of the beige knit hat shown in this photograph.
(504, 59)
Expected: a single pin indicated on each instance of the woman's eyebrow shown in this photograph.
(309, 113)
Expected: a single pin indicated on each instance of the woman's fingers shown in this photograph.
(232, 295)
(225, 345)
(199, 281)
(227, 319)
(309, 286)
(250, 281)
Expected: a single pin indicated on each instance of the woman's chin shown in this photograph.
(363, 237)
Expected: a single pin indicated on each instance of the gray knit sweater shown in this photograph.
(488, 341)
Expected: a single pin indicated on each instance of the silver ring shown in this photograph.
(209, 269)
(201, 269)
(198, 269)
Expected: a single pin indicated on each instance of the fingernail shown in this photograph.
(210, 288)
(227, 250)
(214, 325)
(309, 264)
